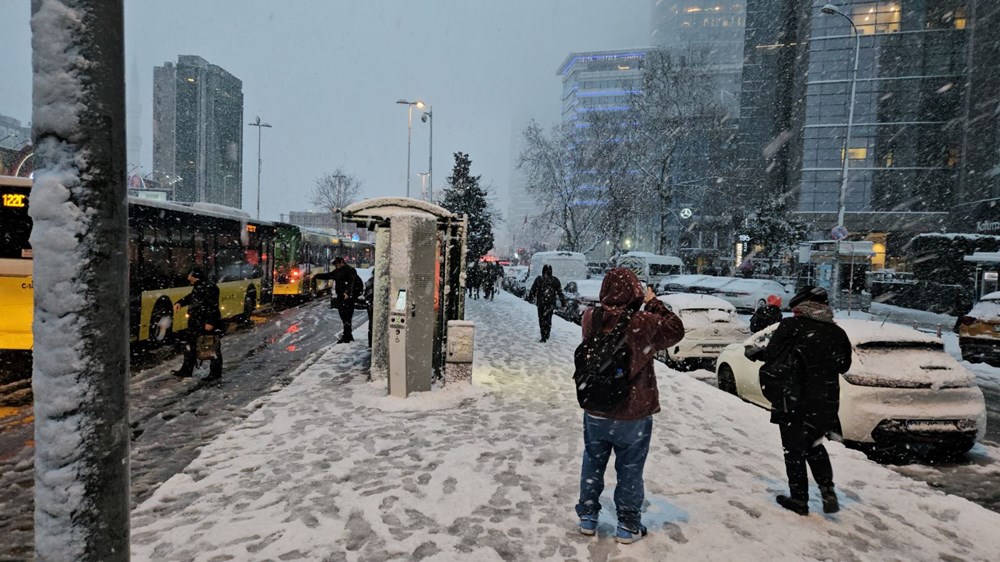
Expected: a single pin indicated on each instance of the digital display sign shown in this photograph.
(15, 200)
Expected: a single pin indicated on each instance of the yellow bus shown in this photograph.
(302, 253)
(16, 305)
(166, 240)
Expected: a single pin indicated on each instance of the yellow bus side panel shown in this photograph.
(16, 311)
(231, 295)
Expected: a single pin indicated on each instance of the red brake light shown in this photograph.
(295, 272)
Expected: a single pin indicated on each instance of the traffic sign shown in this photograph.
(838, 232)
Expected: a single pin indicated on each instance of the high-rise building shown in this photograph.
(599, 81)
(909, 134)
(198, 131)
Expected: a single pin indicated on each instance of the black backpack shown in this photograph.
(603, 362)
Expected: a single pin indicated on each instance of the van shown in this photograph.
(566, 266)
(651, 268)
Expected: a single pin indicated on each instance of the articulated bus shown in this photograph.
(302, 253)
(165, 241)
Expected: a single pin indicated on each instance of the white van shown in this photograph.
(566, 266)
(651, 268)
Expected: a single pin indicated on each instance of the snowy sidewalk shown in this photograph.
(329, 468)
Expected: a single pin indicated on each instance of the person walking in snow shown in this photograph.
(627, 427)
(766, 315)
(544, 291)
(801, 378)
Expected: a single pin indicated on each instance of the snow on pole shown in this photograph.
(79, 208)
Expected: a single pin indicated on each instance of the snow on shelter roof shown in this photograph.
(873, 331)
(382, 208)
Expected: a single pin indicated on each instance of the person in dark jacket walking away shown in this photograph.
(801, 378)
(627, 427)
(544, 291)
(347, 287)
(766, 315)
(204, 317)
(370, 304)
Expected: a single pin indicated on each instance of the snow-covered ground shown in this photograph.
(329, 468)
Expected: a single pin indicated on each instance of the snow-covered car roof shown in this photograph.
(686, 301)
(862, 332)
(994, 296)
(589, 289)
(987, 309)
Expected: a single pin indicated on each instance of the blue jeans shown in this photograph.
(630, 442)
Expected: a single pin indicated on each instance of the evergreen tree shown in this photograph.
(465, 196)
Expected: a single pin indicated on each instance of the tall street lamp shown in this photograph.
(259, 126)
(428, 115)
(409, 134)
(830, 9)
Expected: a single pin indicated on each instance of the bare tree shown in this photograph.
(679, 122)
(605, 161)
(555, 176)
(335, 191)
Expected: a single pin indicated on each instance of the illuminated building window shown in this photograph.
(855, 154)
(887, 161)
(952, 157)
(876, 17)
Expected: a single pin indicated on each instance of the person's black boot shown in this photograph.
(830, 503)
(798, 506)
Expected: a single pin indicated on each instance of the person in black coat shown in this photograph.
(766, 315)
(204, 317)
(370, 304)
(544, 291)
(803, 362)
(347, 287)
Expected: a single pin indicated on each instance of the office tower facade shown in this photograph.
(198, 131)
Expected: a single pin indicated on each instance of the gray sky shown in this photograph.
(326, 75)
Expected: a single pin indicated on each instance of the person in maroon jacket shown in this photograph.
(627, 427)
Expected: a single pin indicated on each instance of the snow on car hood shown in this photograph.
(987, 310)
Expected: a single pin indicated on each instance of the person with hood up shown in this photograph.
(544, 291)
(803, 362)
(626, 428)
(766, 315)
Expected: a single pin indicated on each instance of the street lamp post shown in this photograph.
(409, 133)
(259, 126)
(830, 9)
(429, 116)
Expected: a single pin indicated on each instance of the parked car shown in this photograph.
(566, 266)
(710, 324)
(902, 387)
(513, 280)
(751, 294)
(745, 294)
(580, 295)
(979, 331)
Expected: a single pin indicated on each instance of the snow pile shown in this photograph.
(330, 468)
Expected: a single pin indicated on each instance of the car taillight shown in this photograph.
(295, 272)
(967, 320)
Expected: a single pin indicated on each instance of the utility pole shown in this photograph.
(79, 241)
(259, 126)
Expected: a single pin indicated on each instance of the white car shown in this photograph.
(751, 294)
(710, 324)
(902, 387)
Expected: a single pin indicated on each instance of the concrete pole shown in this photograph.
(79, 238)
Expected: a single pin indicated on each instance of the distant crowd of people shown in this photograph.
(483, 276)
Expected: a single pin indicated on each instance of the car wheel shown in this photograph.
(726, 379)
(161, 323)
(761, 303)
